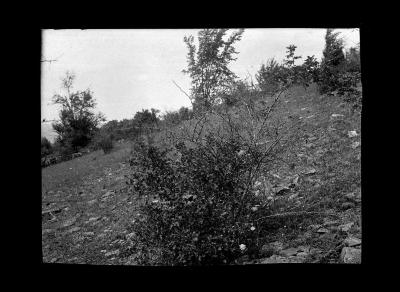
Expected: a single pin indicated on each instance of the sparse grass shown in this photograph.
(70, 173)
(322, 144)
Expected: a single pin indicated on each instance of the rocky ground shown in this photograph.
(87, 222)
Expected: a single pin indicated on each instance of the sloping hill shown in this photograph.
(87, 213)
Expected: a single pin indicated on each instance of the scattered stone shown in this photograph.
(309, 171)
(346, 227)
(302, 254)
(322, 230)
(355, 145)
(289, 252)
(337, 115)
(291, 197)
(115, 252)
(74, 229)
(88, 233)
(276, 245)
(93, 219)
(331, 223)
(350, 255)
(267, 250)
(69, 222)
(352, 241)
(314, 226)
(352, 134)
(92, 202)
(347, 205)
(281, 190)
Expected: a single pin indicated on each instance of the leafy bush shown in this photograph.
(46, 147)
(198, 208)
(106, 144)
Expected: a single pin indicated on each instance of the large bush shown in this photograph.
(200, 208)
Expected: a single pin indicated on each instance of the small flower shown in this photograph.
(242, 247)
(252, 228)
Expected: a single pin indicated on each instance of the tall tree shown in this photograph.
(208, 65)
(78, 122)
(333, 61)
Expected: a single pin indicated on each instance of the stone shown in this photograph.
(352, 241)
(352, 134)
(276, 245)
(337, 115)
(74, 229)
(347, 205)
(115, 252)
(289, 252)
(314, 226)
(346, 227)
(331, 223)
(310, 171)
(92, 202)
(69, 222)
(275, 259)
(322, 230)
(355, 145)
(350, 255)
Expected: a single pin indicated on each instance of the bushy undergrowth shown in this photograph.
(200, 208)
(105, 143)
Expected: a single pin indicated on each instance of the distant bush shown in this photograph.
(106, 144)
(46, 147)
(176, 117)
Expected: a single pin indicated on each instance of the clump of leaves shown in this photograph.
(198, 209)
(106, 144)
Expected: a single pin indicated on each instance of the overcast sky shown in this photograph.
(128, 70)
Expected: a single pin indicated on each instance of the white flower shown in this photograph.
(242, 247)
(252, 228)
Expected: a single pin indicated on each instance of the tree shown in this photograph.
(46, 147)
(78, 122)
(309, 71)
(332, 63)
(208, 65)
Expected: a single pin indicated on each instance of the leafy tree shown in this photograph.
(353, 63)
(208, 65)
(332, 63)
(267, 76)
(78, 122)
(46, 147)
(309, 71)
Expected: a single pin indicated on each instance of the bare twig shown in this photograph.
(191, 101)
(287, 214)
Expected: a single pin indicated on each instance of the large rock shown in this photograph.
(350, 255)
(289, 252)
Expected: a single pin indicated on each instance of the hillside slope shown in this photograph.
(86, 215)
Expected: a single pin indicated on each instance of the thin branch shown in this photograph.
(183, 92)
(286, 214)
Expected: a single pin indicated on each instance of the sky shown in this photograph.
(130, 70)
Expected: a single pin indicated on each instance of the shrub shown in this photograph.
(198, 208)
(106, 144)
(46, 147)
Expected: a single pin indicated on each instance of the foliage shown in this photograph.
(106, 144)
(200, 205)
(46, 147)
(176, 117)
(77, 123)
(268, 76)
(208, 65)
(333, 62)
